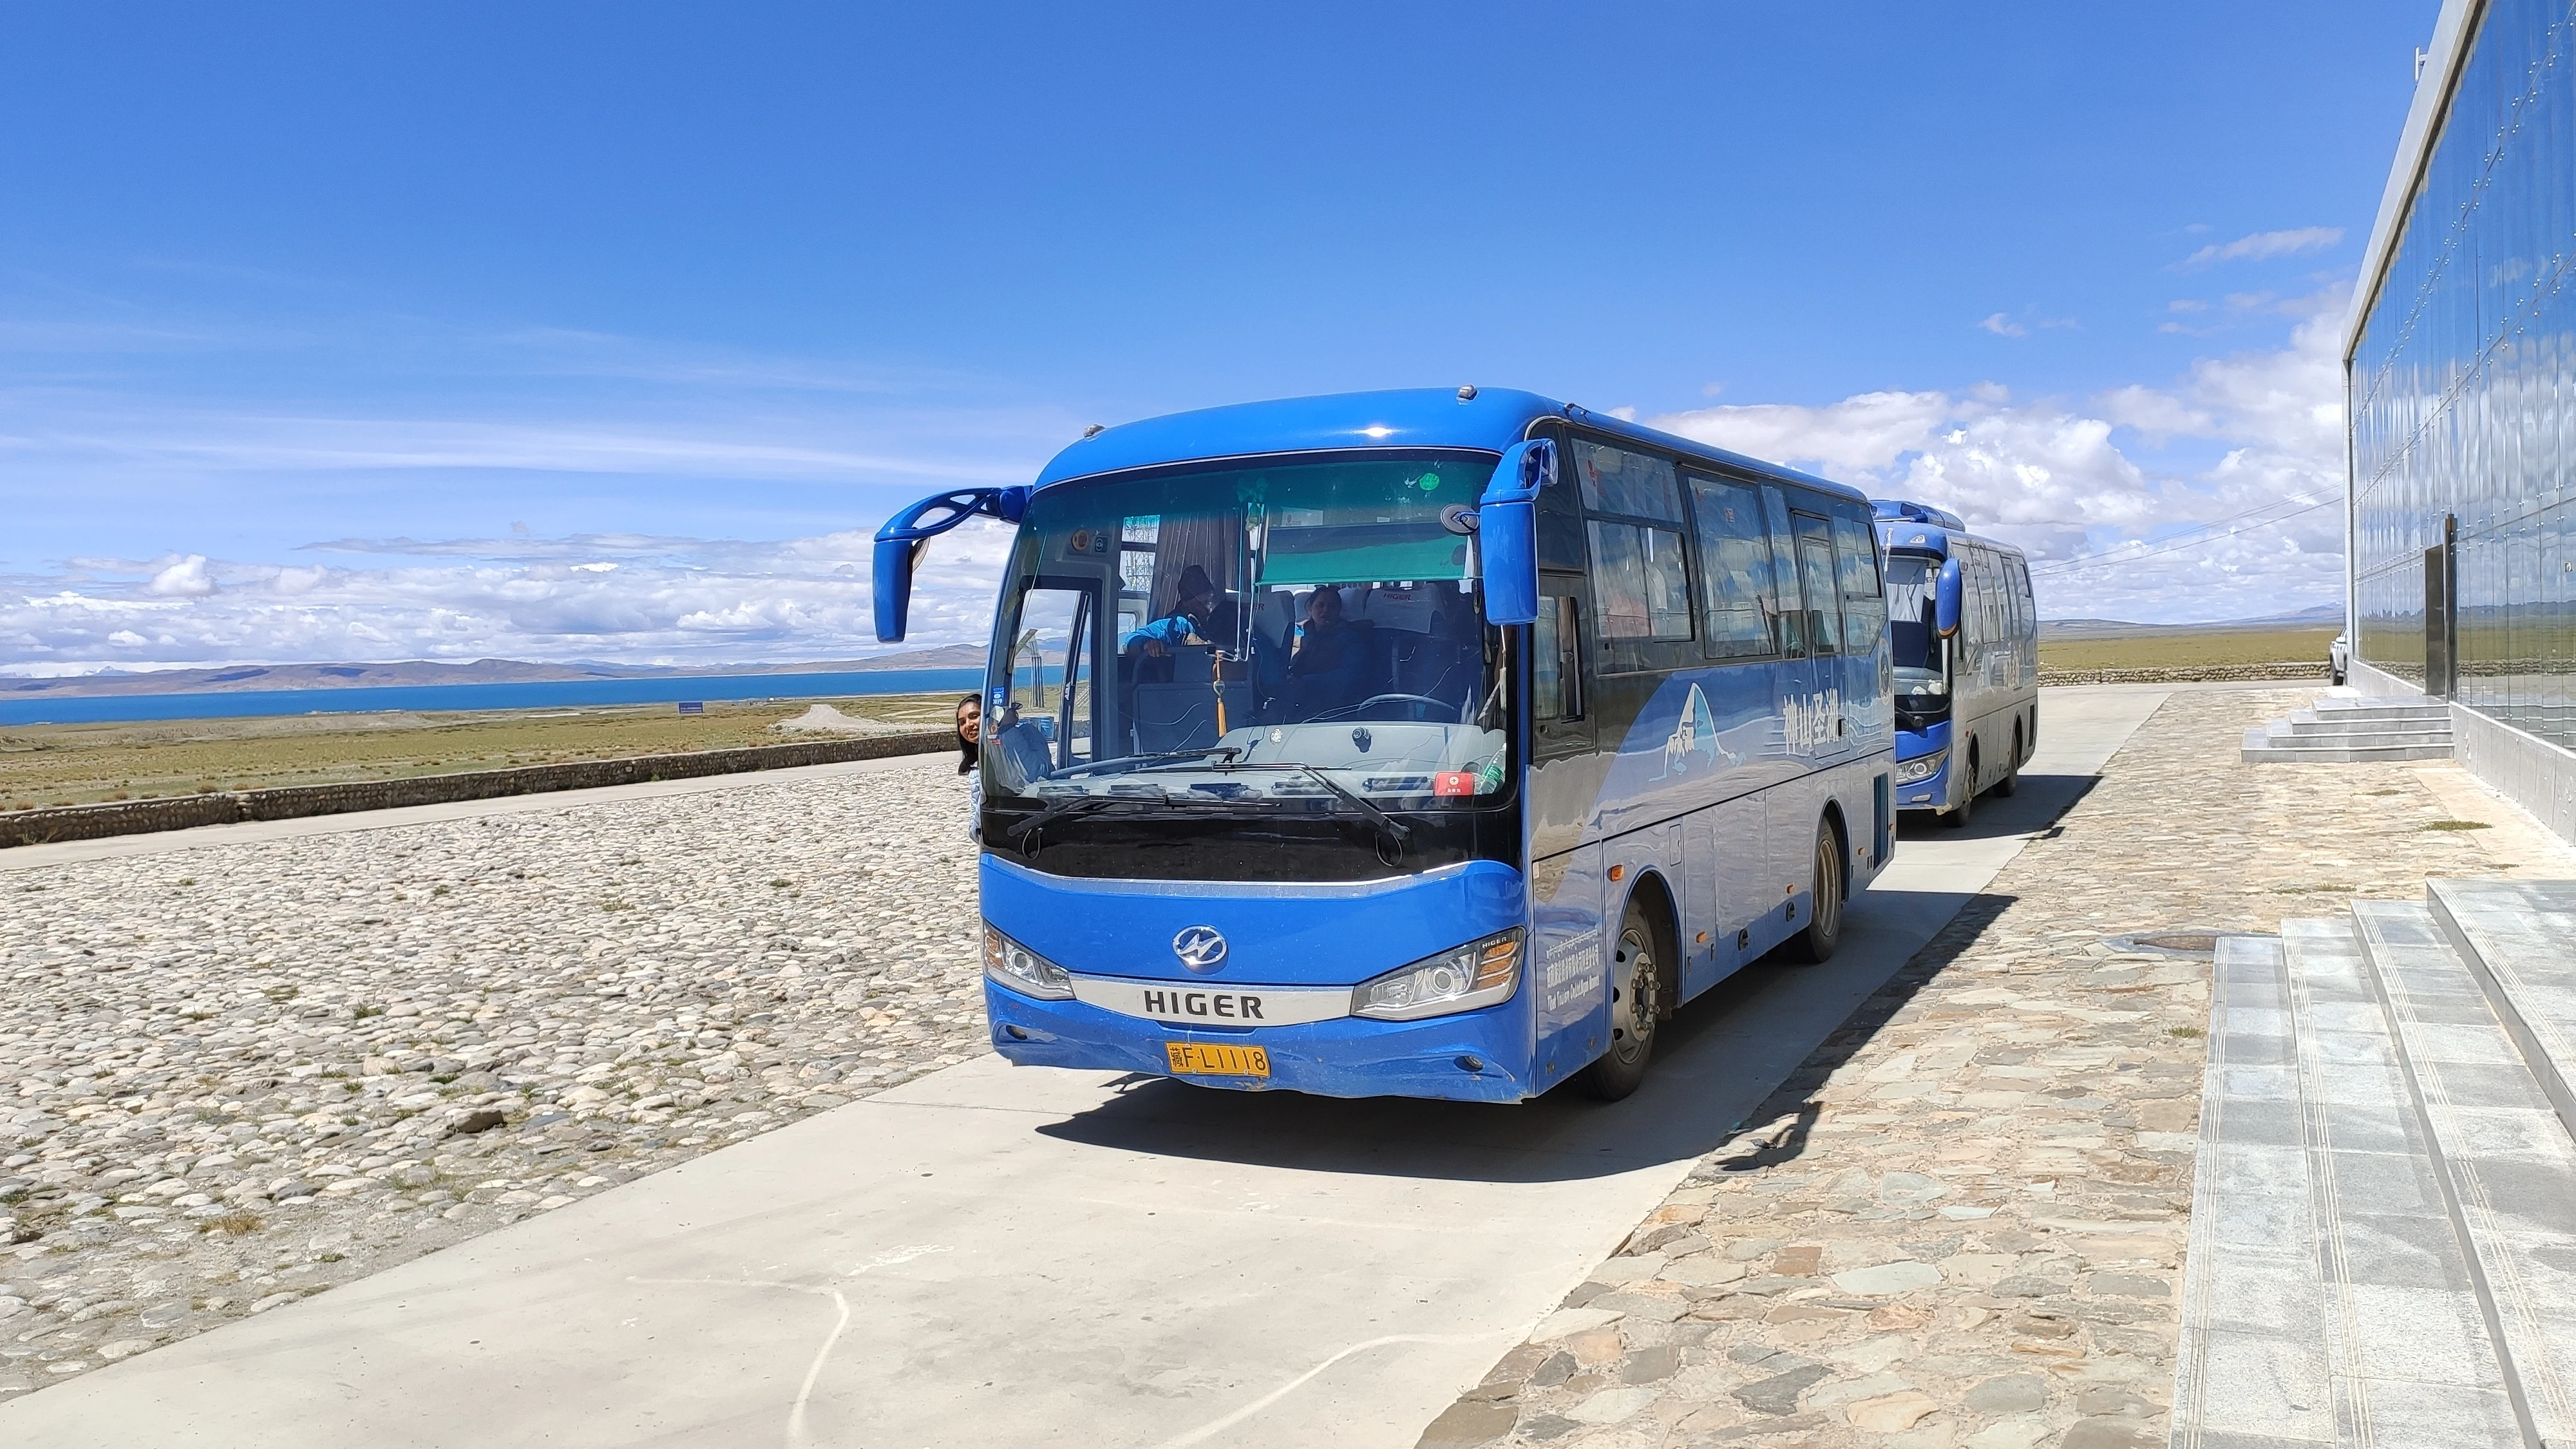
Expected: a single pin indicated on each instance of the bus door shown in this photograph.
(1787, 808)
(1566, 770)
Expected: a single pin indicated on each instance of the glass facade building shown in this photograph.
(2460, 372)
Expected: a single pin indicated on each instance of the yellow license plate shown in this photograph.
(1211, 1059)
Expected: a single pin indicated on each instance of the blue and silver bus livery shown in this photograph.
(1966, 641)
(1423, 743)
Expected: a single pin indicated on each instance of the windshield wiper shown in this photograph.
(1088, 804)
(1078, 805)
(1136, 762)
(1388, 823)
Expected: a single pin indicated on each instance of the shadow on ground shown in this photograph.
(2042, 798)
(1720, 1063)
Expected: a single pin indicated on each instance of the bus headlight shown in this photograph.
(1478, 974)
(1023, 970)
(1921, 767)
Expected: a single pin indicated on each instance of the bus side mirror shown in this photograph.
(1945, 599)
(1507, 531)
(891, 572)
(901, 541)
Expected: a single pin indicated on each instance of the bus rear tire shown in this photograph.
(1824, 932)
(2011, 781)
(1636, 1000)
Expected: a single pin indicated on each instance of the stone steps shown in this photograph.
(2383, 1248)
(2345, 728)
(2260, 747)
(2519, 939)
(2507, 1167)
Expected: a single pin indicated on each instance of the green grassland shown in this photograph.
(78, 764)
(2163, 650)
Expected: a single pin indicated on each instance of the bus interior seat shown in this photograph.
(1274, 620)
(1193, 664)
(1183, 716)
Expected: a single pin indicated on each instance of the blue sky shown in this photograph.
(609, 331)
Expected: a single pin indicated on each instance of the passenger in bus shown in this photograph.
(1329, 671)
(1193, 616)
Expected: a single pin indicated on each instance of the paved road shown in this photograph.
(995, 1255)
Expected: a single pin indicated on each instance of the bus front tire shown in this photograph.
(1825, 907)
(1636, 999)
(1958, 816)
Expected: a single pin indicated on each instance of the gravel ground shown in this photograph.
(231, 1076)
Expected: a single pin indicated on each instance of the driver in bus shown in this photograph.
(1330, 667)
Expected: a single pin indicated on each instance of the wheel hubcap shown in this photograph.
(1633, 1000)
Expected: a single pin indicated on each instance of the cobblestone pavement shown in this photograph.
(1961, 1222)
(234, 1075)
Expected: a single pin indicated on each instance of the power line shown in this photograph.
(2117, 556)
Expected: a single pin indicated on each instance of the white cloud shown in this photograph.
(186, 579)
(2069, 481)
(2003, 326)
(714, 602)
(2263, 244)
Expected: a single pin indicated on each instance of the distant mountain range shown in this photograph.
(244, 677)
(2322, 616)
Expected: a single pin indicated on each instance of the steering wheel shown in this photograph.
(1422, 700)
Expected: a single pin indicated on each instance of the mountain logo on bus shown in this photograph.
(1694, 734)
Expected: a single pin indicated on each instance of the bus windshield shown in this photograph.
(1296, 637)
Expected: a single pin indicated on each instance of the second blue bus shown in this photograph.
(1966, 641)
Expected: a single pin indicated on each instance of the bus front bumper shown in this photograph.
(1465, 1057)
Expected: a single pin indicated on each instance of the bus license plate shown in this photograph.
(1211, 1059)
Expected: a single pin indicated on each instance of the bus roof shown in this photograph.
(1909, 525)
(1486, 419)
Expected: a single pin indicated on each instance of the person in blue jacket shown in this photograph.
(1193, 616)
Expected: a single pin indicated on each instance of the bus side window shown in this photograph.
(1824, 608)
(1788, 615)
(1735, 583)
(1864, 600)
(1640, 580)
(1556, 668)
(1972, 606)
(1560, 528)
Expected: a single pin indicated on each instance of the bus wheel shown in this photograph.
(2012, 777)
(1636, 987)
(1824, 908)
(1958, 817)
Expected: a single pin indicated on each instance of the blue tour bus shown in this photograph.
(1423, 743)
(1966, 640)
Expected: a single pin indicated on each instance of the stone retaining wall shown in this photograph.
(2288, 669)
(136, 817)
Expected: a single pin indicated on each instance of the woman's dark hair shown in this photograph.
(968, 751)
